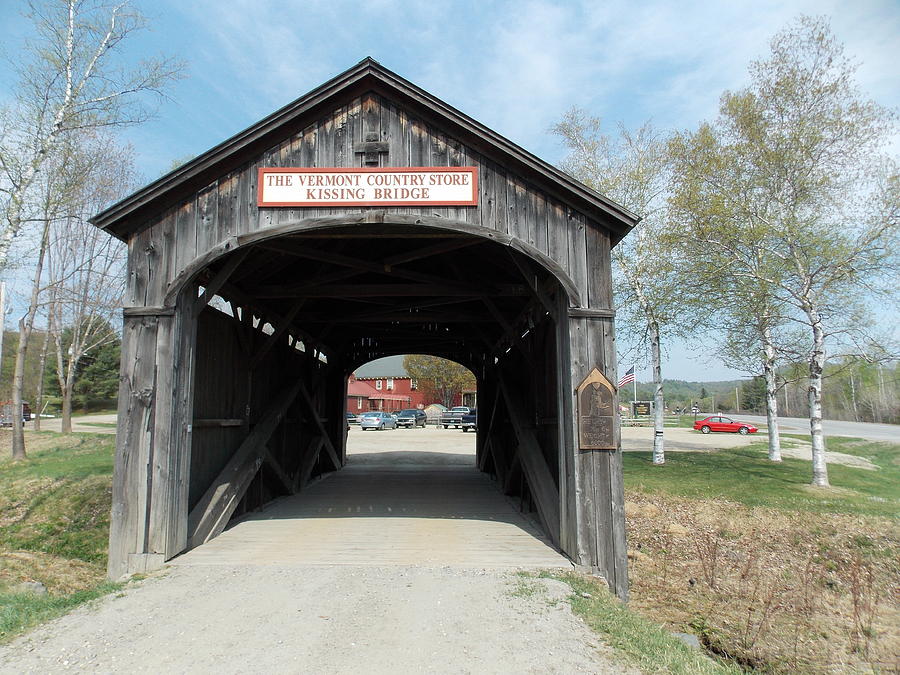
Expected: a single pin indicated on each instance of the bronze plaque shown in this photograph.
(596, 411)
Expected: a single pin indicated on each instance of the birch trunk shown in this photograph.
(814, 398)
(18, 425)
(653, 330)
(26, 325)
(771, 396)
(659, 448)
(66, 422)
(39, 397)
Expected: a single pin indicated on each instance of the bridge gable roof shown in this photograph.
(129, 215)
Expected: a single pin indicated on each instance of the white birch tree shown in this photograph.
(72, 76)
(789, 187)
(86, 267)
(632, 169)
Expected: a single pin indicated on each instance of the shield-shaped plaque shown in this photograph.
(596, 411)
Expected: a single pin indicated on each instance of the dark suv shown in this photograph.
(411, 418)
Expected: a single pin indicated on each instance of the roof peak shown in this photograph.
(130, 214)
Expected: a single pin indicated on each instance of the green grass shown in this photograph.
(55, 508)
(747, 477)
(21, 611)
(102, 411)
(62, 456)
(644, 643)
(105, 425)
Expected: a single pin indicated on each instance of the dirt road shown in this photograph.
(319, 619)
(287, 608)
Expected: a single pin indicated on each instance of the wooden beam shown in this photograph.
(428, 251)
(233, 422)
(148, 311)
(266, 264)
(215, 285)
(537, 473)
(437, 290)
(280, 330)
(417, 306)
(490, 430)
(403, 317)
(368, 235)
(311, 406)
(308, 462)
(515, 467)
(272, 316)
(280, 474)
(531, 279)
(498, 316)
(212, 513)
(584, 313)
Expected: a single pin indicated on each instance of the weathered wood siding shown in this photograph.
(227, 207)
(178, 368)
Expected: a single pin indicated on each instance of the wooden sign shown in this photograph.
(641, 408)
(596, 411)
(435, 186)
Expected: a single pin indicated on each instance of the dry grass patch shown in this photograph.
(60, 575)
(773, 590)
(54, 526)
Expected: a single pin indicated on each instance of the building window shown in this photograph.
(390, 383)
(413, 384)
(378, 385)
(359, 404)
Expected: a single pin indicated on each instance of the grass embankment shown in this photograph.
(54, 525)
(640, 641)
(767, 571)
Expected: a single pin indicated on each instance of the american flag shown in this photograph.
(627, 377)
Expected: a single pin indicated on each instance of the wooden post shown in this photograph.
(128, 533)
(599, 494)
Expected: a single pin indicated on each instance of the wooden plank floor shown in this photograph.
(386, 513)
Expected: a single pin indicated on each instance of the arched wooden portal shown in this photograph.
(242, 322)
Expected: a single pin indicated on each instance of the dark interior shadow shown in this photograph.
(410, 458)
(412, 485)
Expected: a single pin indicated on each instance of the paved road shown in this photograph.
(791, 425)
(799, 425)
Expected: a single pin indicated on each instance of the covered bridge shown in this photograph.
(366, 219)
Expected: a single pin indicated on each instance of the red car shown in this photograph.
(719, 423)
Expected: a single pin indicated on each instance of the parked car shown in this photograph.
(377, 420)
(351, 418)
(719, 423)
(411, 418)
(469, 421)
(453, 417)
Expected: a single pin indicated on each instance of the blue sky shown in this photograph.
(514, 66)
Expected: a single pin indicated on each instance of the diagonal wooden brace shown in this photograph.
(212, 513)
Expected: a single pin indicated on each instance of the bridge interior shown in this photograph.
(405, 497)
(297, 315)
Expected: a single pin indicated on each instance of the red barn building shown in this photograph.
(384, 384)
(381, 393)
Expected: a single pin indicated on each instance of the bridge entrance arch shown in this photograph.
(249, 302)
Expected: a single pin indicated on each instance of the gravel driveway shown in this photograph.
(320, 619)
(361, 616)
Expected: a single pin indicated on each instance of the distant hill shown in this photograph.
(681, 393)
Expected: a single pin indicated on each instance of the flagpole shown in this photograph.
(634, 382)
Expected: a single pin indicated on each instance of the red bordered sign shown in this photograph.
(408, 186)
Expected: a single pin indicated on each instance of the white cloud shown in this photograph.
(515, 66)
